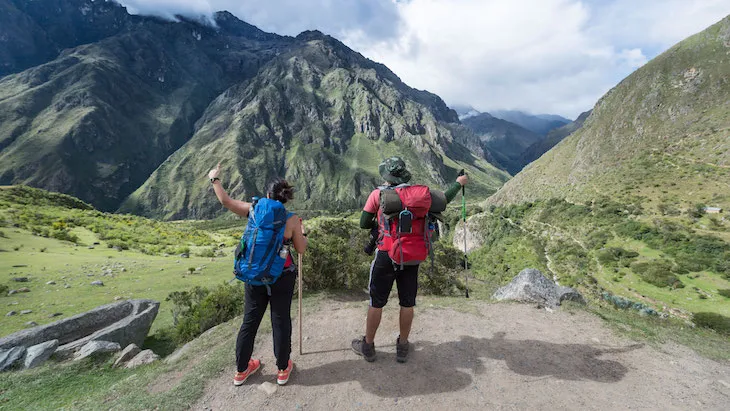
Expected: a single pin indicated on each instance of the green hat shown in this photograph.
(393, 170)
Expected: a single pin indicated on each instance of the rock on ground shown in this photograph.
(530, 285)
(10, 357)
(38, 354)
(96, 347)
(124, 322)
(127, 354)
(144, 357)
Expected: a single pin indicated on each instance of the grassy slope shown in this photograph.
(661, 134)
(566, 240)
(65, 263)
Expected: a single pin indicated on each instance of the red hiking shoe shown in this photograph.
(282, 377)
(253, 366)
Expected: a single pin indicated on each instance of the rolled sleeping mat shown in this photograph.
(438, 201)
(390, 202)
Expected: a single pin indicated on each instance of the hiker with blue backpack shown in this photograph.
(406, 218)
(264, 263)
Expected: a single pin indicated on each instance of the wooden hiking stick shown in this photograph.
(300, 305)
(299, 255)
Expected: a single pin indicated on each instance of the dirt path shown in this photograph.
(495, 356)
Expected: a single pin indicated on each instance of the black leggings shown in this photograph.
(257, 298)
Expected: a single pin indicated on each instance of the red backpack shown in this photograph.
(402, 223)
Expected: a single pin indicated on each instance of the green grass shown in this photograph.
(657, 331)
(146, 276)
(94, 384)
(575, 236)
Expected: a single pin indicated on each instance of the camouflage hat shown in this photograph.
(393, 170)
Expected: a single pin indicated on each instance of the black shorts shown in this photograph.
(382, 275)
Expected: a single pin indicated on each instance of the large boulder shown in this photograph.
(124, 322)
(38, 354)
(475, 235)
(530, 285)
(10, 357)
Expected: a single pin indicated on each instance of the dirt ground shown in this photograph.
(496, 356)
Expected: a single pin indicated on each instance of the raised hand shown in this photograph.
(462, 179)
(214, 172)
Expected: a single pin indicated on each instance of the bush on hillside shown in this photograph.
(443, 277)
(334, 258)
(697, 211)
(201, 309)
(658, 273)
(612, 255)
(724, 293)
(714, 321)
(4, 290)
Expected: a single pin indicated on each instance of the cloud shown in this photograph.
(541, 56)
(376, 18)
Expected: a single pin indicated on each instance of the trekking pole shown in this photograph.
(299, 255)
(463, 217)
(301, 351)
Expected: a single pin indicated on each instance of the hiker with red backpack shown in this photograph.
(264, 263)
(402, 214)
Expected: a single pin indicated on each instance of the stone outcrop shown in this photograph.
(530, 285)
(144, 357)
(96, 347)
(122, 323)
(10, 357)
(127, 354)
(38, 354)
(475, 237)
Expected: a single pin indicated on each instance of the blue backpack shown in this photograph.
(260, 256)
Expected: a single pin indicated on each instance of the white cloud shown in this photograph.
(543, 56)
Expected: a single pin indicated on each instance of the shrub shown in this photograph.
(2, 234)
(334, 257)
(724, 293)
(208, 252)
(658, 273)
(697, 211)
(118, 243)
(4, 289)
(201, 309)
(612, 255)
(714, 321)
(442, 278)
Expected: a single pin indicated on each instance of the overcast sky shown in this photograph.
(540, 56)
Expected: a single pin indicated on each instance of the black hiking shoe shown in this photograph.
(401, 351)
(362, 348)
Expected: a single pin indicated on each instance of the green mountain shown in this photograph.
(662, 136)
(553, 137)
(95, 100)
(505, 140)
(540, 123)
(96, 121)
(35, 32)
(322, 116)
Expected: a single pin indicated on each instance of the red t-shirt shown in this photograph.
(373, 203)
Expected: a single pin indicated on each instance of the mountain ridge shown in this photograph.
(659, 136)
